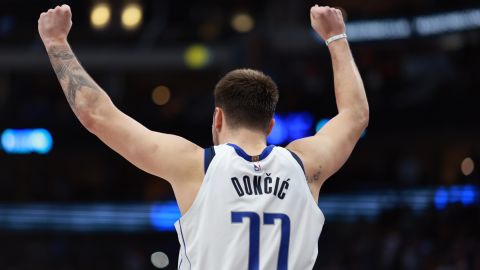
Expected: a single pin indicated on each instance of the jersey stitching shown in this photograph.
(240, 152)
(292, 160)
(184, 245)
(199, 197)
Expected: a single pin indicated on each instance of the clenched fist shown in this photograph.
(55, 24)
(327, 21)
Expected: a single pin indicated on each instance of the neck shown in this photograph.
(252, 142)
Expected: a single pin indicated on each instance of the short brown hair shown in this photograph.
(248, 98)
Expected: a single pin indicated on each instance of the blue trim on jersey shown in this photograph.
(297, 158)
(247, 157)
(209, 154)
(184, 246)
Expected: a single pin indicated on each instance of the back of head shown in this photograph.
(248, 99)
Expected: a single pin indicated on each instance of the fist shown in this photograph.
(55, 24)
(327, 21)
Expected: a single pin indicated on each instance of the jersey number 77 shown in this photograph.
(254, 247)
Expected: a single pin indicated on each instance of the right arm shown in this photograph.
(171, 157)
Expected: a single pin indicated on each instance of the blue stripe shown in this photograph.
(247, 157)
(208, 156)
(297, 158)
(184, 246)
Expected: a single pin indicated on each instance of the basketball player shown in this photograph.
(244, 205)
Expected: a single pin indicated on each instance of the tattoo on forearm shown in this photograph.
(70, 73)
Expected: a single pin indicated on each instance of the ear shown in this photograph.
(270, 126)
(218, 118)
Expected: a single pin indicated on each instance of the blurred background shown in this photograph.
(408, 198)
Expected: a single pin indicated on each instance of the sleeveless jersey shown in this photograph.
(251, 213)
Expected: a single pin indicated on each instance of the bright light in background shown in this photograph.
(322, 122)
(161, 95)
(161, 216)
(159, 259)
(379, 29)
(100, 15)
(441, 198)
(164, 215)
(446, 22)
(290, 127)
(467, 166)
(132, 16)
(465, 195)
(26, 141)
(279, 132)
(402, 28)
(242, 22)
(197, 56)
(299, 125)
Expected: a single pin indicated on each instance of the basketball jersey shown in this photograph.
(250, 213)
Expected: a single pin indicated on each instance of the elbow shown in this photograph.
(89, 120)
(359, 117)
(364, 117)
(93, 118)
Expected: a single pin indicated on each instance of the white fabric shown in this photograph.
(209, 240)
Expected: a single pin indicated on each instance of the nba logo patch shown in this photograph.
(256, 166)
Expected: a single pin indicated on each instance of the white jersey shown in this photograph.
(250, 213)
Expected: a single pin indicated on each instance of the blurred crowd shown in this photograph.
(401, 240)
(397, 240)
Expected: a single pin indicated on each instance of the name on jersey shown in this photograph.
(258, 185)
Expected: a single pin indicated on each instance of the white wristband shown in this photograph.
(336, 37)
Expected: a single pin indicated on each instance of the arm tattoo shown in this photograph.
(71, 75)
(315, 177)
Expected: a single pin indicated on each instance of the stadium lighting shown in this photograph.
(463, 194)
(279, 132)
(160, 260)
(164, 215)
(321, 123)
(26, 141)
(381, 29)
(291, 126)
(467, 166)
(100, 16)
(161, 95)
(242, 22)
(132, 16)
(197, 56)
(447, 22)
(403, 28)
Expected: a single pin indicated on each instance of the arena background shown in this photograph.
(408, 198)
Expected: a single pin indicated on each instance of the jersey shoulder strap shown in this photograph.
(297, 158)
(209, 154)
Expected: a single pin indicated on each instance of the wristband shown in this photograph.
(336, 37)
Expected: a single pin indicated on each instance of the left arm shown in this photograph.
(325, 153)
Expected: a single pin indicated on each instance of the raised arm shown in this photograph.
(170, 157)
(324, 153)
